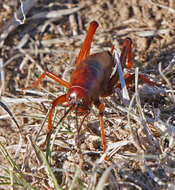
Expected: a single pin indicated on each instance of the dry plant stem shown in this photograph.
(2, 75)
(56, 14)
(16, 101)
(116, 146)
(171, 63)
(13, 24)
(23, 63)
(142, 159)
(134, 136)
(12, 59)
(30, 68)
(104, 177)
(146, 127)
(125, 94)
(22, 17)
(31, 92)
(73, 23)
(167, 81)
(139, 185)
(131, 113)
(162, 6)
(19, 147)
(30, 58)
(133, 133)
(23, 41)
(143, 118)
(50, 51)
(30, 142)
(25, 166)
(27, 5)
(42, 125)
(151, 174)
(155, 32)
(80, 23)
(11, 115)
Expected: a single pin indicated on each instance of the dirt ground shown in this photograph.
(140, 138)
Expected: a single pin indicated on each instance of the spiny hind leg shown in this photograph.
(126, 53)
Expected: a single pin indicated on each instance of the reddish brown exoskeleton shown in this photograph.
(91, 80)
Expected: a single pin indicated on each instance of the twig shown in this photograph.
(167, 81)
(11, 59)
(16, 101)
(152, 32)
(168, 69)
(10, 113)
(23, 41)
(55, 14)
(30, 142)
(2, 77)
(144, 123)
(104, 177)
(73, 23)
(151, 174)
(42, 125)
(22, 17)
(162, 6)
(134, 136)
(13, 23)
(125, 94)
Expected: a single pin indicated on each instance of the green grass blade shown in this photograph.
(15, 173)
(43, 157)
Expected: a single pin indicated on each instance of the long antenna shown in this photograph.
(64, 115)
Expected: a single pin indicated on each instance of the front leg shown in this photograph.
(57, 101)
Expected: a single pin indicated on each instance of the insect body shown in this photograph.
(91, 80)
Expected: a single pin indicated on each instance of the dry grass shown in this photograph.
(140, 136)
